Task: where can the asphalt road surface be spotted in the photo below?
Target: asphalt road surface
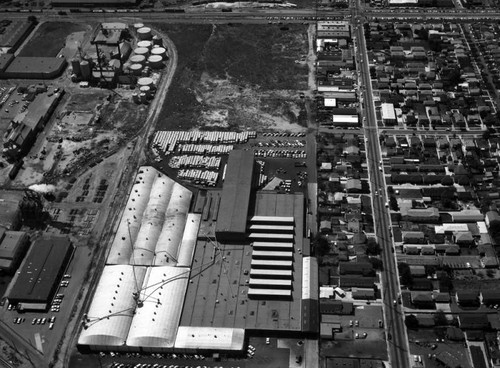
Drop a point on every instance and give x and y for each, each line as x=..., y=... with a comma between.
x=396, y=332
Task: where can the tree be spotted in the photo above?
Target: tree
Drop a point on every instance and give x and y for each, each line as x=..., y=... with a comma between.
x=405, y=274
x=32, y=19
x=411, y=322
x=321, y=245
x=372, y=247
x=447, y=180
x=440, y=318
x=377, y=263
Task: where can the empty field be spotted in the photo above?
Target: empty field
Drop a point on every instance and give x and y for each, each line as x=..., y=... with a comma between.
x=237, y=77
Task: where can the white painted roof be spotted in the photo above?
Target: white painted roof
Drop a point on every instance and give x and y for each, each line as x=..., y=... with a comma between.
x=155, y=323
x=186, y=250
x=167, y=248
x=212, y=338
x=152, y=221
x=310, y=278
x=111, y=311
x=121, y=248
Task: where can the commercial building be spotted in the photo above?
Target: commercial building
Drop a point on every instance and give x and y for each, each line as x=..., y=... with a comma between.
x=15, y=32
x=21, y=135
x=35, y=283
x=29, y=67
x=235, y=201
x=13, y=245
x=388, y=114
x=10, y=209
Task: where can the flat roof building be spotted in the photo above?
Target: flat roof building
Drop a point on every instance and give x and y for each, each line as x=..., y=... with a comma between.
x=388, y=113
x=13, y=245
x=235, y=201
x=37, y=280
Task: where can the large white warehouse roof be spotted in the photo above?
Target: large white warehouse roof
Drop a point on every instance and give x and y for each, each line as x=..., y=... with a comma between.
x=113, y=306
x=155, y=323
x=130, y=223
x=210, y=338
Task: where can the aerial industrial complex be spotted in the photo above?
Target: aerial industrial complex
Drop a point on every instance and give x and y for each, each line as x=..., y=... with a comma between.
x=224, y=187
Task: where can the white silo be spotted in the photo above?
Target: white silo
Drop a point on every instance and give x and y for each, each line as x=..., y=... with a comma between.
x=157, y=40
x=138, y=26
x=155, y=61
x=146, y=90
x=75, y=65
x=144, y=33
x=161, y=51
x=86, y=70
x=144, y=44
x=142, y=51
x=138, y=59
x=136, y=69
x=145, y=81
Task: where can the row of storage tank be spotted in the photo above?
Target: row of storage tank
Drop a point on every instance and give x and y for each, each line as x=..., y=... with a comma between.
x=148, y=52
x=146, y=90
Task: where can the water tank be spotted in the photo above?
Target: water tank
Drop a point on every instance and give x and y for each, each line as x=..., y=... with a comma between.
x=136, y=69
x=161, y=51
x=138, y=26
x=145, y=81
x=86, y=70
x=155, y=61
x=146, y=90
x=144, y=33
x=141, y=51
x=144, y=44
x=143, y=97
x=157, y=40
x=138, y=59
x=135, y=98
x=75, y=64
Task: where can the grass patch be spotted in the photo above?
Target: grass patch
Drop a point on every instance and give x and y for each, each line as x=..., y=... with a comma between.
x=49, y=39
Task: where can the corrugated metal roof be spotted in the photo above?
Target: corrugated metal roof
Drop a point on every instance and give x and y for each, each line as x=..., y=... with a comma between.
x=310, y=278
x=130, y=223
x=255, y=272
x=233, y=210
x=170, y=239
x=269, y=292
x=285, y=219
x=271, y=254
x=152, y=221
x=155, y=323
x=269, y=245
x=270, y=282
x=270, y=236
x=271, y=264
x=113, y=306
x=287, y=228
x=210, y=338
x=186, y=250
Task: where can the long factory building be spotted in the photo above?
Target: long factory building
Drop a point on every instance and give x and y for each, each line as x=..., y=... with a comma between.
x=167, y=288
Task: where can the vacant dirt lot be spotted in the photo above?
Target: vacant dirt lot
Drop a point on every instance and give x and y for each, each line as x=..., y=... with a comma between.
x=237, y=77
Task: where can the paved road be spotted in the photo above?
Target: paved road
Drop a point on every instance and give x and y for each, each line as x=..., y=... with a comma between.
x=396, y=333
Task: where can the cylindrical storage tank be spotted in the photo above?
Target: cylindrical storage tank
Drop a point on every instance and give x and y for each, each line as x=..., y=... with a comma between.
x=138, y=26
x=86, y=70
x=138, y=59
x=155, y=61
x=142, y=51
x=143, y=97
x=144, y=44
x=136, y=98
x=144, y=33
x=136, y=69
x=146, y=90
x=75, y=64
x=146, y=81
x=159, y=51
x=157, y=40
